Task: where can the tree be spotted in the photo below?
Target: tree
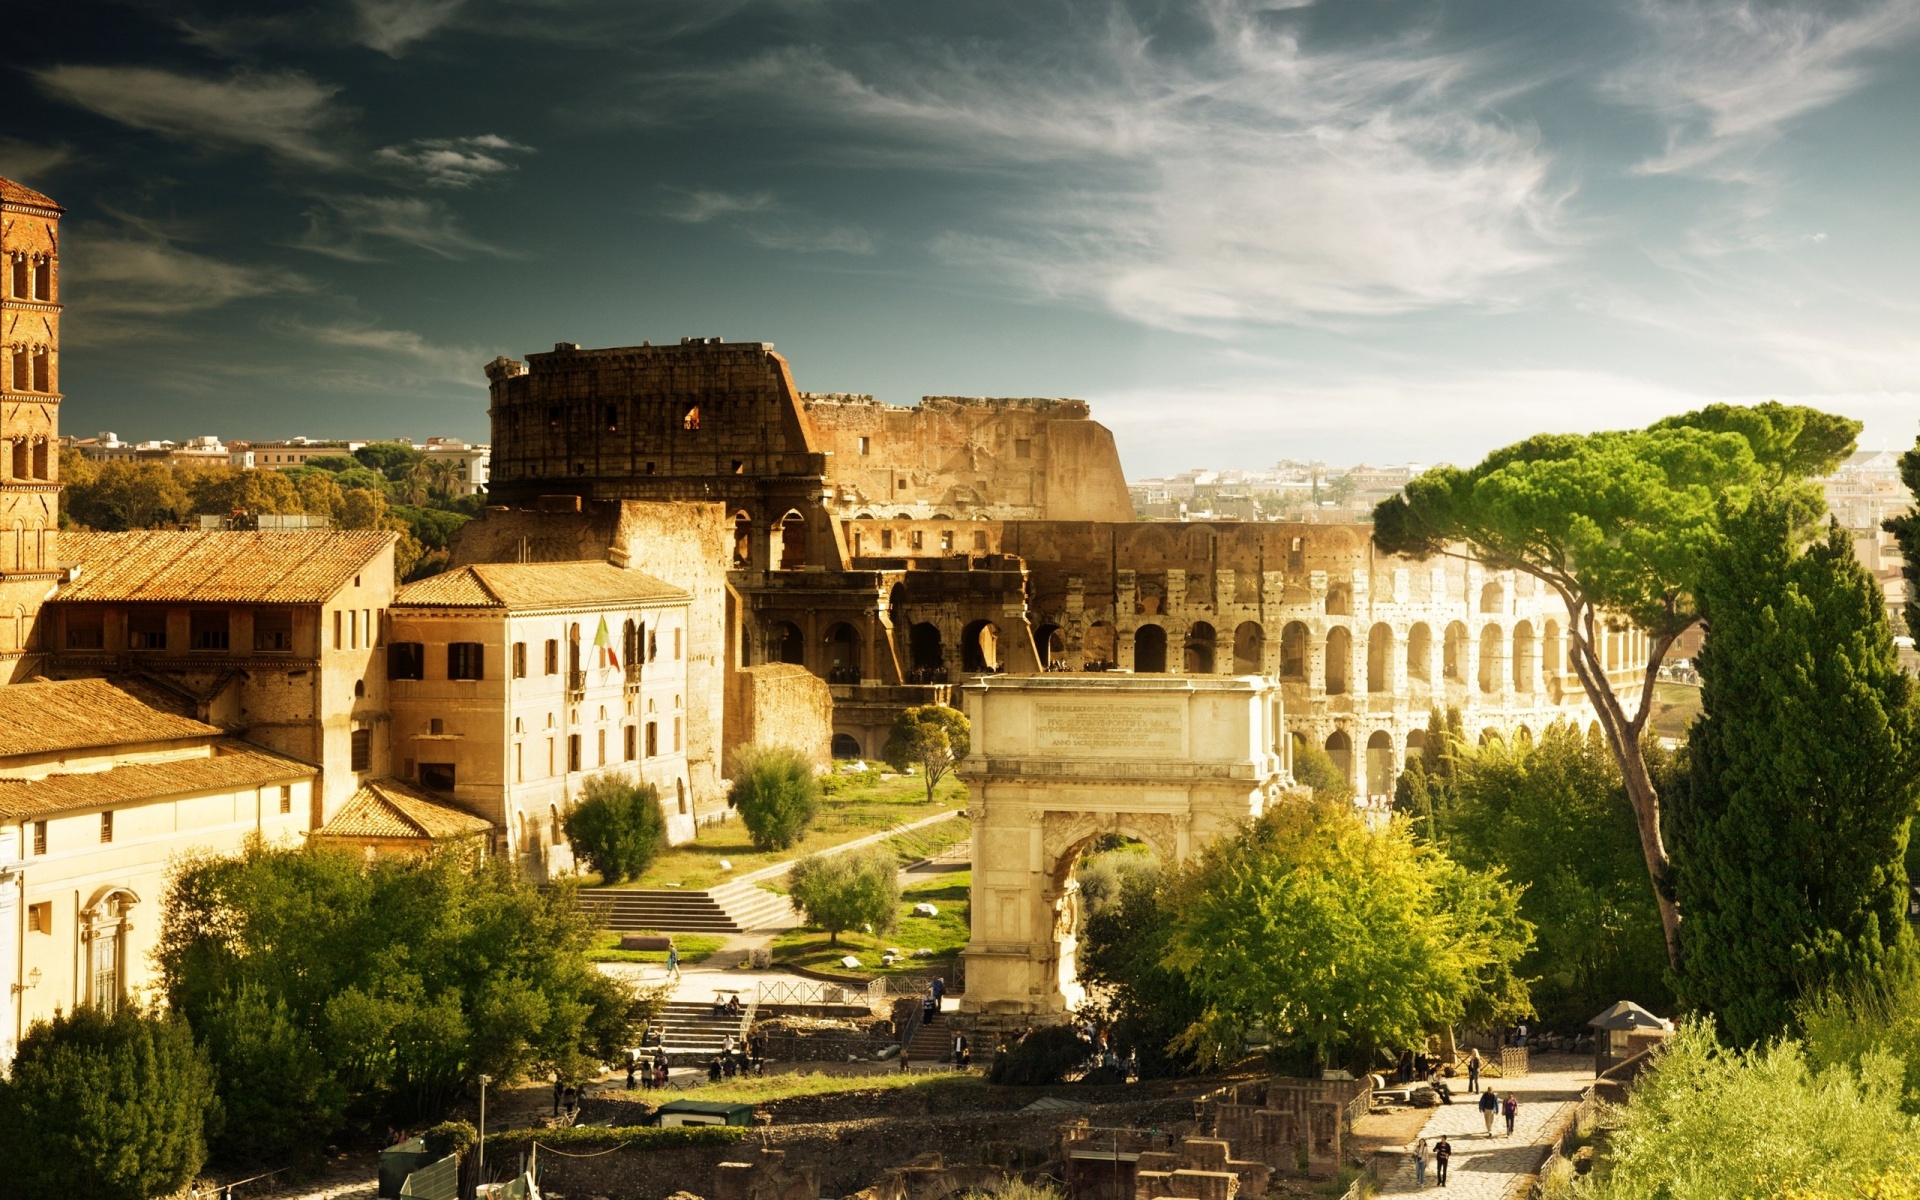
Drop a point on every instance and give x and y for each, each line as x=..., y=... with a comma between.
x=410, y=975
x=617, y=827
x=1791, y=829
x=1334, y=935
x=1553, y=816
x=776, y=793
x=1616, y=524
x=1905, y=529
x=392, y=459
x=274, y=1086
x=1121, y=952
x=1316, y=769
x=107, y=1106
x=335, y=463
x=118, y=496
x=838, y=892
x=931, y=737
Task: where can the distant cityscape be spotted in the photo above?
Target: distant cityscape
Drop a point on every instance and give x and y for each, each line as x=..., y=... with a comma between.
x=208, y=450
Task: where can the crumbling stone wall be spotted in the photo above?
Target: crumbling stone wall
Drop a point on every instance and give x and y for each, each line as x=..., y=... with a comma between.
x=779, y=704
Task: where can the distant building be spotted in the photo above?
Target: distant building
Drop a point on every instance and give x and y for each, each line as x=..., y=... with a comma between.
x=99, y=792
x=471, y=462
x=282, y=456
x=1864, y=492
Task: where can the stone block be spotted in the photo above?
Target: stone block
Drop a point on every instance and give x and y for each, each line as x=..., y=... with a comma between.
x=1204, y=1185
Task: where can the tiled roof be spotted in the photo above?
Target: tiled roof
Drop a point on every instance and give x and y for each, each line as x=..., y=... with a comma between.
x=388, y=808
x=292, y=566
x=79, y=714
x=19, y=193
x=234, y=765
x=535, y=585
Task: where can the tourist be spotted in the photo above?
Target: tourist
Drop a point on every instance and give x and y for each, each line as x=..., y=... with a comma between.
x=1420, y=1164
x=559, y=1094
x=1510, y=1109
x=632, y=1068
x=939, y=990
x=1442, y=1155
x=1473, y=1070
x=906, y=1057
x=1520, y=1035
x=1489, y=1108
x=660, y=1071
x=1441, y=1089
x=673, y=962
x=713, y=1069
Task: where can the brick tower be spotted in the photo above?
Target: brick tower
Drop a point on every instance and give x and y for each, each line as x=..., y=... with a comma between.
x=29, y=420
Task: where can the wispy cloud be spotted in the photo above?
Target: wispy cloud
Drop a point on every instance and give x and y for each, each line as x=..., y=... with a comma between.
x=454, y=162
x=764, y=220
x=1729, y=74
x=453, y=364
x=1246, y=179
x=354, y=228
x=31, y=162
x=285, y=112
x=134, y=283
x=390, y=26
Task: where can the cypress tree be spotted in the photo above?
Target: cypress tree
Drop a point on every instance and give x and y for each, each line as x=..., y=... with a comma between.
x=1791, y=828
x=1905, y=529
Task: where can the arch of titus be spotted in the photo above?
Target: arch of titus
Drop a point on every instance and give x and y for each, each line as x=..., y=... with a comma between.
x=1057, y=760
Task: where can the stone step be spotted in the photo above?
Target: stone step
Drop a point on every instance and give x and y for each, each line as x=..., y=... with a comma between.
x=932, y=1041
x=729, y=908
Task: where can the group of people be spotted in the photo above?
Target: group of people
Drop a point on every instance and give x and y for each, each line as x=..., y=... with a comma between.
x=1440, y=1153
x=739, y=1058
x=647, y=1069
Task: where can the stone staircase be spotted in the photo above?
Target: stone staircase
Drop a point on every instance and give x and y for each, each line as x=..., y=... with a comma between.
x=729, y=908
x=932, y=1041
x=693, y=1035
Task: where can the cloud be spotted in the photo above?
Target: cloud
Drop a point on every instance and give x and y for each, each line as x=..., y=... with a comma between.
x=454, y=162
x=352, y=227
x=128, y=284
x=1237, y=178
x=390, y=26
x=1728, y=74
x=456, y=364
x=284, y=112
x=763, y=220
x=29, y=162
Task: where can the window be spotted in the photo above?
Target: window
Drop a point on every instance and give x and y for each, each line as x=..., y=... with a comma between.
x=553, y=656
x=39, y=837
x=42, y=373
x=979, y=541
x=1023, y=447
x=691, y=421
x=353, y=629
x=919, y=539
x=573, y=752
x=519, y=762
x=286, y=798
x=886, y=539
x=338, y=624
x=40, y=917
x=208, y=629
x=436, y=726
x=676, y=643
x=602, y=736
x=106, y=827
x=436, y=777
x=866, y=445
x=273, y=630
x=43, y=280
x=653, y=738
x=147, y=629
x=553, y=417
x=406, y=660
x=20, y=276
x=946, y=540
x=676, y=735
x=653, y=645
x=613, y=419
x=899, y=485
x=362, y=744
x=519, y=660
x=86, y=629
x=466, y=660
x=633, y=742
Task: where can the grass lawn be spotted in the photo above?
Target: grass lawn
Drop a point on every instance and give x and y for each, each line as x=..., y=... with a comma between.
x=946, y=935
x=694, y=947
x=855, y=808
x=812, y=1083
x=1675, y=705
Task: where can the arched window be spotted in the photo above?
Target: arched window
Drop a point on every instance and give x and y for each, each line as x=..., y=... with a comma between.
x=1453, y=654
x=742, y=540
x=1380, y=658
x=1380, y=763
x=1098, y=650
x=690, y=420
x=1052, y=645
x=1523, y=658
x=791, y=534
x=1339, y=659
x=1249, y=649
x=980, y=648
x=1199, y=656
x=843, y=653
x=845, y=745
x=1340, y=750
x=1420, y=653
x=1149, y=650
x=1293, y=651
x=787, y=644
x=928, y=655
x=1340, y=600
x=1493, y=598
x=1490, y=672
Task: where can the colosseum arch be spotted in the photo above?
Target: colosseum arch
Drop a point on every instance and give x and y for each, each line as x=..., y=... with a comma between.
x=1149, y=650
x=1340, y=749
x=1453, y=653
x=1379, y=763
x=1339, y=659
x=1420, y=652
x=1249, y=649
x=980, y=648
x=1523, y=658
x=1198, y=659
x=1490, y=643
x=1293, y=650
x=1493, y=597
x=1380, y=658
x=785, y=644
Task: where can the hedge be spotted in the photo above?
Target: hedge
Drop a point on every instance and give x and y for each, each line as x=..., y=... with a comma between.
x=631, y=1137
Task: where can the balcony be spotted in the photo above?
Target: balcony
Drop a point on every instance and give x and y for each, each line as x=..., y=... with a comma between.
x=632, y=682
x=576, y=684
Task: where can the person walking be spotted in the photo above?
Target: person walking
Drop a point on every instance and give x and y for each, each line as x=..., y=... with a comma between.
x=1489, y=1108
x=1473, y=1070
x=906, y=1060
x=1510, y=1109
x=673, y=962
x=1420, y=1164
x=1442, y=1155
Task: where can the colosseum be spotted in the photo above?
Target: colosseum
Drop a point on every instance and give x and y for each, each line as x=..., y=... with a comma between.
x=894, y=552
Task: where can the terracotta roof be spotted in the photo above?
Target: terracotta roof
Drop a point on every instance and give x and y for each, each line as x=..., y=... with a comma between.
x=233, y=766
x=388, y=808
x=19, y=193
x=535, y=585
x=79, y=714
x=292, y=566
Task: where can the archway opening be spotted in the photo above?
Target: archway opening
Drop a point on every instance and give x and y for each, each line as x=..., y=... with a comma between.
x=742, y=540
x=929, y=657
x=791, y=536
x=1293, y=650
x=1097, y=649
x=786, y=643
x=1339, y=657
x=1052, y=645
x=1199, y=656
x=1453, y=654
x=1420, y=653
x=1379, y=763
x=1249, y=649
x=1380, y=658
x=1493, y=598
x=1340, y=750
x=1340, y=600
x=845, y=745
x=1149, y=650
x=1490, y=659
x=843, y=653
x=1092, y=879
x=1523, y=658
x=980, y=648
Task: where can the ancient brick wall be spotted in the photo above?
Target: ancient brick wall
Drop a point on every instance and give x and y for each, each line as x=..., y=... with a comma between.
x=779, y=704
x=29, y=421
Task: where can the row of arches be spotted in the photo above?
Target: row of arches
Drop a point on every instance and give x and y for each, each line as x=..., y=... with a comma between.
x=1379, y=761
x=1503, y=658
x=841, y=660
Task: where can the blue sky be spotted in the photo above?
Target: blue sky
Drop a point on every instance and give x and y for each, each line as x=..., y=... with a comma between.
x=1368, y=229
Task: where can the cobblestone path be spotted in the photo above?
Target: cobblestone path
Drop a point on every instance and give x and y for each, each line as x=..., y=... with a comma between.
x=1497, y=1168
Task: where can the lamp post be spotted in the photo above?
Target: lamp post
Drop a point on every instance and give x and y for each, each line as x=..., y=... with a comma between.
x=480, y=1168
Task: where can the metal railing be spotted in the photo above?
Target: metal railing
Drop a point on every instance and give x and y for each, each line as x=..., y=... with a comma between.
x=815, y=991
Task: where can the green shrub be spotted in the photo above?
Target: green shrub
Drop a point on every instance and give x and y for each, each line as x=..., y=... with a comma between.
x=776, y=792
x=1042, y=1057
x=106, y=1107
x=1316, y=768
x=617, y=827
x=844, y=891
x=281, y=1102
x=450, y=1137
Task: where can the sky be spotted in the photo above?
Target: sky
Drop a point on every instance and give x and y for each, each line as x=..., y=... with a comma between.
x=1352, y=230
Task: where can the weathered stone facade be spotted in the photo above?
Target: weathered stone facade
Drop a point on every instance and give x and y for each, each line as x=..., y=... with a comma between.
x=29, y=420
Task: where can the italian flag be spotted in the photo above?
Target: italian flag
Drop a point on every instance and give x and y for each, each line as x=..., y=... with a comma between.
x=604, y=639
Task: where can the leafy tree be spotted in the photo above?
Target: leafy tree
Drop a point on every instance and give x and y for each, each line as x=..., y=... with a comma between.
x=363, y=508
x=1316, y=769
x=392, y=459
x=1616, y=524
x=273, y=1083
x=410, y=975
x=1336, y=935
x=334, y=463
x=1121, y=952
x=1850, y=1023
x=219, y=491
x=362, y=477
x=1552, y=815
x=777, y=794
x=107, y=1106
x=118, y=496
x=617, y=827
x=1791, y=831
x=1425, y=787
x=433, y=526
x=932, y=737
x=838, y=892
x=1905, y=529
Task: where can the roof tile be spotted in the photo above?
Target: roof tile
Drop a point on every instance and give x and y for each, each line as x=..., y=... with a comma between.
x=234, y=765
x=218, y=567
x=79, y=714
x=536, y=585
x=389, y=808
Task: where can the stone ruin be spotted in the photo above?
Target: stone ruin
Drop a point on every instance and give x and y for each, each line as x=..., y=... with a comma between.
x=1291, y=1125
x=1201, y=1169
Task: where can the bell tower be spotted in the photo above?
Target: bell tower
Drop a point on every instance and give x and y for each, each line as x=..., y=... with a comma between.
x=29, y=421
